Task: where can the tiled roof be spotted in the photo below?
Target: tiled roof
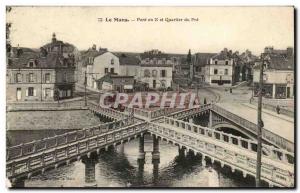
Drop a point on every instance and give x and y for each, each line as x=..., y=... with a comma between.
x=52, y=60
x=90, y=53
x=279, y=62
x=22, y=60
x=202, y=59
x=128, y=60
x=222, y=56
x=151, y=56
x=66, y=46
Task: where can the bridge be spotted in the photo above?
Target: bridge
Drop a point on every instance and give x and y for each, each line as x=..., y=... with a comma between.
x=26, y=160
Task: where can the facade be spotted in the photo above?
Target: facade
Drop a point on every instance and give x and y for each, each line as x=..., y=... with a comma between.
x=98, y=63
x=200, y=60
x=46, y=75
x=116, y=82
x=129, y=65
x=278, y=74
x=220, y=70
x=157, y=76
x=156, y=70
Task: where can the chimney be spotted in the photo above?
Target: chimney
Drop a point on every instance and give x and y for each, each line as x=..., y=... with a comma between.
x=289, y=52
x=43, y=52
x=53, y=38
x=19, y=51
x=94, y=47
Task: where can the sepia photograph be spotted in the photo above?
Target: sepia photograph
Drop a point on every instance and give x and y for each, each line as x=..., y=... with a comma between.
x=150, y=97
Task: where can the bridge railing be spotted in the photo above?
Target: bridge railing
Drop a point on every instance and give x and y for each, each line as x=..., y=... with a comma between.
x=55, y=141
x=189, y=112
x=250, y=145
x=86, y=142
x=234, y=151
x=107, y=111
x=137, y=111
x=266, y=134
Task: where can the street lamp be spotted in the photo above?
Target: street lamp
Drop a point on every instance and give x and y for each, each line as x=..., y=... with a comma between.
x=260, y=124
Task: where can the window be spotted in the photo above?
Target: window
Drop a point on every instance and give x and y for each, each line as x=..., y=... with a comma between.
x=105, y=70
x=30, y=91
x=112, y=70
x=112, y=61
x=146, y=73
x=226, y=71
x=91, y=60
x=30, y=77
x=47, y=78
x=31, y=64
x=216, y=62
x=65, y=77
x=154, y=73
x=19, y=77
x=226, y=62
x=215, y=71
x=47, y=92
x=163, y=73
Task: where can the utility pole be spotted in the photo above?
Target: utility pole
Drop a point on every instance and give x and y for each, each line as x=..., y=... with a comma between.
x=85, y=82
x=259, y=125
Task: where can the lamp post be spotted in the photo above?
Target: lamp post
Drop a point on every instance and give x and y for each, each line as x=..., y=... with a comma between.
x=259, y=126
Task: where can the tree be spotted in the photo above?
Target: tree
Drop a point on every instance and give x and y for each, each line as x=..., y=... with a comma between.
x=8, y=26
x=189, y=57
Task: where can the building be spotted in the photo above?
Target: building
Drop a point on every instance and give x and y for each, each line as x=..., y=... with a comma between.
x=278, y=74
x=97, y=63
x=45, y=75
x=200, y=61
x=129, y=65
x=156, y=70
x=220, y=70
x=116, y=82
x=245, y=71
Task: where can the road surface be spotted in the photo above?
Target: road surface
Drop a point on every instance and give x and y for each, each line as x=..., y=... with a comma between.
x=281, y=125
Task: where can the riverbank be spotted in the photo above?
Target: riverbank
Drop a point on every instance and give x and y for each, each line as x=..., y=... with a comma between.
x=50, y=120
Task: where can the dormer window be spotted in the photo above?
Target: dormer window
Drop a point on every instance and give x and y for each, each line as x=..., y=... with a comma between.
x=216, y=62
x=91, y=60
x=112, y=61
x=31, y=64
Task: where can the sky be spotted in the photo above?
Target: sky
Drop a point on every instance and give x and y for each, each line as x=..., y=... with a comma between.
x=213, y=28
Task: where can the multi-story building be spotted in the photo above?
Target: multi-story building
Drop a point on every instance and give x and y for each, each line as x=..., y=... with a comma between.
x=97, y=63
x=44, y=75
x=278, y=75
x=156, y=69
x=200, y=60
x=129, y=65
x=220, y=70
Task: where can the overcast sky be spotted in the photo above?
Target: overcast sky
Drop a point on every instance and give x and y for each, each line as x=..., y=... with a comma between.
x=237, y=28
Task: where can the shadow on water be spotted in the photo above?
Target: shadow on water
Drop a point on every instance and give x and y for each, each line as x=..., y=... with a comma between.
x=116, y=165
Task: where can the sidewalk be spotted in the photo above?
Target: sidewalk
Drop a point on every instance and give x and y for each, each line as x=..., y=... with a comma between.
x=270, y=112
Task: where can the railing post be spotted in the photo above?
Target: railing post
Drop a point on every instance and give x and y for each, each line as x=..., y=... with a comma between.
x=239, y=141
x=21, y=150
x=249, y=145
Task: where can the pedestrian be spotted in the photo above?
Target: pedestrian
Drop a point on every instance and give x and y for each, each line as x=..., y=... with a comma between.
x=278, y=109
